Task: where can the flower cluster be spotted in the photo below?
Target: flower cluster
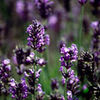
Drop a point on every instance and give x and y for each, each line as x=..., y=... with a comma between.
x=19, y=91
x=44, y=7
x=23, y=57
x=68, y=56
x=5, y=69
x=87, y=69
x=55, y=95
x=32, y=77
x=54, y=84
x=40, y=93
x=86, y=66
x=5, y=74
x=37, y=38
x=72, y=84
x=96, y=41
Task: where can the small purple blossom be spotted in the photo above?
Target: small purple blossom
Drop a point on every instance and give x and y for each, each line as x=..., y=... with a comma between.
x=40, y=93
x=41, y=62
x=32, y=77
x=69, y=95
x=54, y=84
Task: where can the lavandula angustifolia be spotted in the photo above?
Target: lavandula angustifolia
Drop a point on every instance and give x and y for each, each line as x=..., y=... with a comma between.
x=55, y=95
x=86, y=66
x=33, y=78
x=5, y=69
x=96, y=41
x=40, y=93
x=37, y=38
x=22, y=58
x=87, y=71
x=69, y=55
x=19, y=91
x=45, y=7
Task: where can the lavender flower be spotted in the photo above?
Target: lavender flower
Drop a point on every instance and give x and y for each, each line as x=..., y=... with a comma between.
x=22, y=58
x=69, y=95
x=41, y=62
x=54, y=84
x=37, y=38
x=82, y=2
x=68, y=56
x=55, y=95
x=19, y=91
x=44, y=7
x=86, y=66
x=40, y=93
x=96, y=41
x=5, y=69
x=32, y=78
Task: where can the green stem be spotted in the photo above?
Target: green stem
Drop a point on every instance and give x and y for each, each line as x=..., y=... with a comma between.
x=32, y=97
x=65, y=91
x=46, y=69
x=80, y=28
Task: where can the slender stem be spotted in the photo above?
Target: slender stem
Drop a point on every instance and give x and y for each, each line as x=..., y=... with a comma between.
x=5, y=98
x=32, y=97
x=65, y=91
x=46, y=67
x=80, y=29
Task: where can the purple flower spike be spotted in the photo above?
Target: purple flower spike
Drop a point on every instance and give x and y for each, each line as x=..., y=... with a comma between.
x=37, y=38
x=5, y=69
x=54, y=84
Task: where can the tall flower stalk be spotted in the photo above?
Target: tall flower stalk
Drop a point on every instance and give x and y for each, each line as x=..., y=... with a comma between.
x=37, y=40
x=69, y=79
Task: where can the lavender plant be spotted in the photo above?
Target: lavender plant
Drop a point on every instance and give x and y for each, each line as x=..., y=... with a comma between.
x=79, y=68
x=5, y=69
x=69, y=79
